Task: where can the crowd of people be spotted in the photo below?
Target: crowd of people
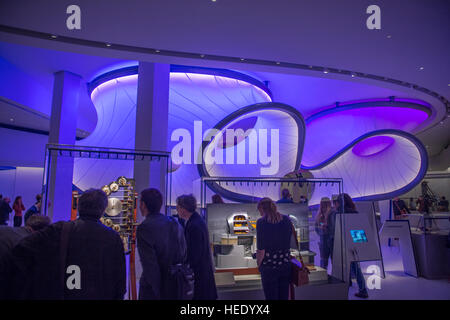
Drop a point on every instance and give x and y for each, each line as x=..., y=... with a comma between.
x=40, y=260
x=18, y=208
x=45, y=261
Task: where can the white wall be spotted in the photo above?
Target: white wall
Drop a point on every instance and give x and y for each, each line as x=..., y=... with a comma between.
x=20, y=148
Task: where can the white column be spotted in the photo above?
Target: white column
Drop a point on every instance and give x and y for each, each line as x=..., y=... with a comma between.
x=152, y=114
x=63, y=126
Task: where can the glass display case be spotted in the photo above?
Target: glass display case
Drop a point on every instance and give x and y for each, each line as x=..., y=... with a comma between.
x=233, y=237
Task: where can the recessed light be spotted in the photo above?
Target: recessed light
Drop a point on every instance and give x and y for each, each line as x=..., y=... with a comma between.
x=325, y=71
x=54, y=36
x=202, y=56
x=277, y=63
x=421, y=68
x=242, y=59
x=388, y=36
x=12, y=120
x=157, y=51
x=108, y=45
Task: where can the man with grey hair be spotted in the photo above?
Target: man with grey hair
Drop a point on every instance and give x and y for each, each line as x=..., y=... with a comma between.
x=198, y=248
x=81, y=259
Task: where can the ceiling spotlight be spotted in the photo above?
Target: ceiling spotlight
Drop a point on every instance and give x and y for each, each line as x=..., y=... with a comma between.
x=54, y=36
x=202, y=56
x=108, y=45
x=242, y=59
x=353, y=74
x=388, y=36
x=325, y=71
x=12, y=120
x=421, y=68
x=157, y=51
x=277, y=62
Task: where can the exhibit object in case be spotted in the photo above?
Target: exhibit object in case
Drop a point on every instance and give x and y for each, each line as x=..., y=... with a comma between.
x=121, y=216
x=233, y=234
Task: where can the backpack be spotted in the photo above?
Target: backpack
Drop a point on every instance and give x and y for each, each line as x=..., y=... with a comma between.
x=180, y=275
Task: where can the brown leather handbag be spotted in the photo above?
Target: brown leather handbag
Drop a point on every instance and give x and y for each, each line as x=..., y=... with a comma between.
x=299, y=275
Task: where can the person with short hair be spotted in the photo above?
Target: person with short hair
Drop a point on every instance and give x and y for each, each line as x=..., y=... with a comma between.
x=273, y=239
x=10, y=236
x=161, y=244
x=34, y=209
x=285, y=197
x=198, y=248
x=94, y=255
x=355, y=269
x=5, y=210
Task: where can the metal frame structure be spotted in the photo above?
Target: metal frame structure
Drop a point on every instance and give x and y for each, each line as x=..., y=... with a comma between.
x=101, y=153
x=273, y=180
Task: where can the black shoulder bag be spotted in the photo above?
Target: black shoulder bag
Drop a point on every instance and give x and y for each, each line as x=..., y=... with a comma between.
x=180, y=274
x=65, y=233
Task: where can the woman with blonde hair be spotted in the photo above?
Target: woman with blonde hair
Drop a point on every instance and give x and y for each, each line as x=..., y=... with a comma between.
x=324, y=230
x=273, y=237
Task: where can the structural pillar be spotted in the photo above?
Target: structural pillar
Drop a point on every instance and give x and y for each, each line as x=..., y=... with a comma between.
x=63, y=127
x=152, y=114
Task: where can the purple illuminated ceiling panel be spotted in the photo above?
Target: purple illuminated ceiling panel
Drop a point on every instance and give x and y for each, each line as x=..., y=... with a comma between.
x=328, y=132
x=391, y=166
x=373, y=145
x=283, y=128
x=193, y=96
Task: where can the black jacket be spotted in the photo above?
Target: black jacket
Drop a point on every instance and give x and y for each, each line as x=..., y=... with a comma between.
x=5, y=210
x=160, y=243
x=199, y=258
x=97, y=251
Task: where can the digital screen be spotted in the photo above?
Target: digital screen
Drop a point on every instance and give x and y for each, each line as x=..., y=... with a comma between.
x=358, y=236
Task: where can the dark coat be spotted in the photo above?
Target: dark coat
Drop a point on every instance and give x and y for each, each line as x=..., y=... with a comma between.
x=5, y=210
x=97, y=250
x=158, y=249
x=9, y=237
x=199, y=258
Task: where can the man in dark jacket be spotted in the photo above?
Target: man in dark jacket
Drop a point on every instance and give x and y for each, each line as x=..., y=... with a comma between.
x=94, y=267
x=5, y=210
x=198, y=249
x=11, y=236
x=161, y=243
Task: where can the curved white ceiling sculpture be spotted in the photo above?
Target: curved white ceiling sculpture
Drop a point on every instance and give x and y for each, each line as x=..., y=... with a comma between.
x=372, y=172
x=354, y=141
x=193, y=96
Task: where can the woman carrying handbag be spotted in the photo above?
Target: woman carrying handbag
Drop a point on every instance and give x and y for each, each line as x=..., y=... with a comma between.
x=274, y=232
